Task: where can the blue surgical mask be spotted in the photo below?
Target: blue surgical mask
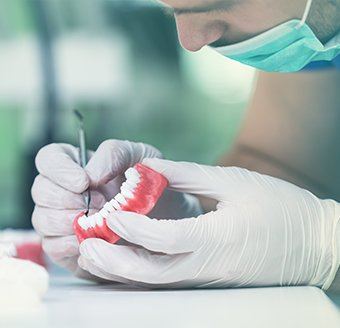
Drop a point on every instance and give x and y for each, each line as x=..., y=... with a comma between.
x=285, y=48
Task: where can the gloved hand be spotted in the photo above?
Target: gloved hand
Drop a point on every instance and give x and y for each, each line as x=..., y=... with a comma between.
x=265, y=232
x=57, y=192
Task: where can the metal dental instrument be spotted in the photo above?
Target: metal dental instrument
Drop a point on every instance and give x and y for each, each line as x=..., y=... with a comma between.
x=83, y=154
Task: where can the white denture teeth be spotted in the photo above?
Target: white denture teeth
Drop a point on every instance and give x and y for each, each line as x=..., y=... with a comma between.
x=115, y=204
x=131, y=185
x=92, y=221
x=99, y=219
x=132, y=175
x=82, y=221
x=120, y=199
x=126, y=192
x=104, y=213
x=108, y=207
x=88, y=223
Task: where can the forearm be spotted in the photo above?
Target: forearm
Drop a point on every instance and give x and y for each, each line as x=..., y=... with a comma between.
x=335, y=285
x=291, y=131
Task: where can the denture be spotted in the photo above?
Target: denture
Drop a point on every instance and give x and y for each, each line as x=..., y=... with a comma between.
x=139, y=193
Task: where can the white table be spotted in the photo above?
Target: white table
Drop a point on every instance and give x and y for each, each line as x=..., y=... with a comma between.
x=75, y=303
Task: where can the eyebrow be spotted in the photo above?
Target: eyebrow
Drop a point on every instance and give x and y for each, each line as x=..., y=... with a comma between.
x=221, y=5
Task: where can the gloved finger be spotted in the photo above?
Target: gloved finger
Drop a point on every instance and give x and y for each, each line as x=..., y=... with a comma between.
x=166, y=236
x=71, y=264
x=96, y=272
x=68, y=263
x=48, y=194
x=87, y=266
x=204, y=180
x=82, y=274
x=50, y=222
x=137, y=264
x=59, y=163
x=59, y=248
x=86, y=275
x=113, y=157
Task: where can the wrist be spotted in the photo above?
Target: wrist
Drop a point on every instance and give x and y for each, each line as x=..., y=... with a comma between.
x=333, y=279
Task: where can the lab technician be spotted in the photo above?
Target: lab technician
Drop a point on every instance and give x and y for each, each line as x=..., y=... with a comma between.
x=264, y=230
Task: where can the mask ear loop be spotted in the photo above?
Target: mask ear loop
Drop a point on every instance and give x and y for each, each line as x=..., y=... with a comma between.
x=305, y=14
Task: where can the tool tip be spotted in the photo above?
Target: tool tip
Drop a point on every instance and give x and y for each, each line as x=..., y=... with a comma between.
x=79, y=116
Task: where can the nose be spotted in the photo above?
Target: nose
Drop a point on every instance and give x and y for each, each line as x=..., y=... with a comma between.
x=195, y=33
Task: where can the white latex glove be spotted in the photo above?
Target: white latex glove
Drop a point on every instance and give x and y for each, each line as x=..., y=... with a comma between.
x=57, y=192
x=265, y=232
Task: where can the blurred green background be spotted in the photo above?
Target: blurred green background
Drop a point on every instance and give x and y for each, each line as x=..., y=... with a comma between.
x=120, y=64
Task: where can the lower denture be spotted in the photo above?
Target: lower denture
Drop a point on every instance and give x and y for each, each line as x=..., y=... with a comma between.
x=146, y=193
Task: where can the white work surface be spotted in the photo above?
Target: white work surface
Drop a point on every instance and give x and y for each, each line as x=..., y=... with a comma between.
x=75, y=303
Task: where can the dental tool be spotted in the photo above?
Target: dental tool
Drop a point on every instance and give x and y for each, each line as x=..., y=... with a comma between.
x=83, y=155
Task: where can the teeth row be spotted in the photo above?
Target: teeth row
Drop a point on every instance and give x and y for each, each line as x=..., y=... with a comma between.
x=126, y=192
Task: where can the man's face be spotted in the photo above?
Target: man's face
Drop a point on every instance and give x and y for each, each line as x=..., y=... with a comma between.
x=223, y=22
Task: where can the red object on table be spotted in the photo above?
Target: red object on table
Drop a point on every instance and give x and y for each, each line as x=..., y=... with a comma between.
x=31, y=251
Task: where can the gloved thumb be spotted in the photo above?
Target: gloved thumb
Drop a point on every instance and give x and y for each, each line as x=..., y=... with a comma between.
x=114, y=157
x=165, y=236
x=193, y=178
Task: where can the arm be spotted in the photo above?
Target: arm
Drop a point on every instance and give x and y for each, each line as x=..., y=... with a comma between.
x=291, y=130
